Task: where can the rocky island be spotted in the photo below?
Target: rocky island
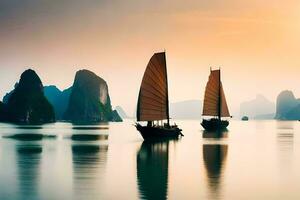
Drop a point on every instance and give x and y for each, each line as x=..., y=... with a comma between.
x=2, y=112
x=27, y=103
x=58, y=99
x=287, y=107
x=89, y=100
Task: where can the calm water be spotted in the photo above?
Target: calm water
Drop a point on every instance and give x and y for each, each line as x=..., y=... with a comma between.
x=254, y=160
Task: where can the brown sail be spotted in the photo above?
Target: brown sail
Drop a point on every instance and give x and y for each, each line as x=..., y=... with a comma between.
x=214, y=99
x=153, y=97
x=224, y=107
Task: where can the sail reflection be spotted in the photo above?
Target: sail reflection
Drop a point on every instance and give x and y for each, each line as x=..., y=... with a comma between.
x=152, y=170
x=28, y=162
x=214, y=156
x=88, y=163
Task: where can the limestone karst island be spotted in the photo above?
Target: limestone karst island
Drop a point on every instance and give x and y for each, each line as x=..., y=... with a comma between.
x=87, y=101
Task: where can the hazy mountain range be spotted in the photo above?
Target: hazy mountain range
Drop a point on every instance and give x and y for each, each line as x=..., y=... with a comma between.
x=258, y=108
x=122, y=113
x=189, y=109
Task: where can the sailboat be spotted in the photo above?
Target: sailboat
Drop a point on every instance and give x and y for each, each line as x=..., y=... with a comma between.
x=215, y=104
x=153, y=102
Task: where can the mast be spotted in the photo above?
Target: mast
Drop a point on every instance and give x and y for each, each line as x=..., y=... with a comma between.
x=219, y=101
x=167, y=92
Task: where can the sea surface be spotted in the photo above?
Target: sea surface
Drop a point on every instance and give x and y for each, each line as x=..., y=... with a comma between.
x=253, y=160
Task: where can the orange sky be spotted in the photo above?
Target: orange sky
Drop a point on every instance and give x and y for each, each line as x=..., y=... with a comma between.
x=255, y=43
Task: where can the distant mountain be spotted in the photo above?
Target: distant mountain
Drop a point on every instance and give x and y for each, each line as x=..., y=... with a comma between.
x=27, y=103
x=190, y=109
x=264, y=116
x=58, y=99
x=121, y=112
x=257, y=108
x=89, y=100
x=287, y=106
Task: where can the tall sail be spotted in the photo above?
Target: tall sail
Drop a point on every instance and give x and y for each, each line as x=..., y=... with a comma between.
x=153, y=97
x=224, y=107
x=214, y=99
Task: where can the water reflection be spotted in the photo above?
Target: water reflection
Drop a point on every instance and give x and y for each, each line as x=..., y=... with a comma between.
x=89, y=124
x=28, y=162
x=285, y=125
x=152, y=170
x=88, y=163
x=285, y=136
x=215, y=134
x=90, y=132
x=67, y=169
x=26, y=136
x=214, y=156
x=285, y=142
x=29, y=127
x=285, y=139
x=89, y=128
x=89, y=137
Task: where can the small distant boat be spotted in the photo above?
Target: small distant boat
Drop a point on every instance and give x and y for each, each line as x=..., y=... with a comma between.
x=215, y=104
x=153, y=102
x=245, y=118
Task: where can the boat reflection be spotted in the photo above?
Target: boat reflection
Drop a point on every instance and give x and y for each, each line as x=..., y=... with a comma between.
x=28, y=162
x=214, y=156
x=215, y=134
x=152, y=170
x=88, y=163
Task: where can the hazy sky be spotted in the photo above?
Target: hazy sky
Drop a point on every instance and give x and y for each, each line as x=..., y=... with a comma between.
x=256, y=43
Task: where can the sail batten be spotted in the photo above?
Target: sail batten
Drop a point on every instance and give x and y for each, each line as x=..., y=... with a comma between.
x=153, y=96
x=157, y=71
x=214, y=98
x=151, y=100
x=153, y=77
x=151, y=106
x=153, y=90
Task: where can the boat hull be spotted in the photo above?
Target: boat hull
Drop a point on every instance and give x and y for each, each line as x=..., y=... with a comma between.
x=154, y=133
x=214, y=124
